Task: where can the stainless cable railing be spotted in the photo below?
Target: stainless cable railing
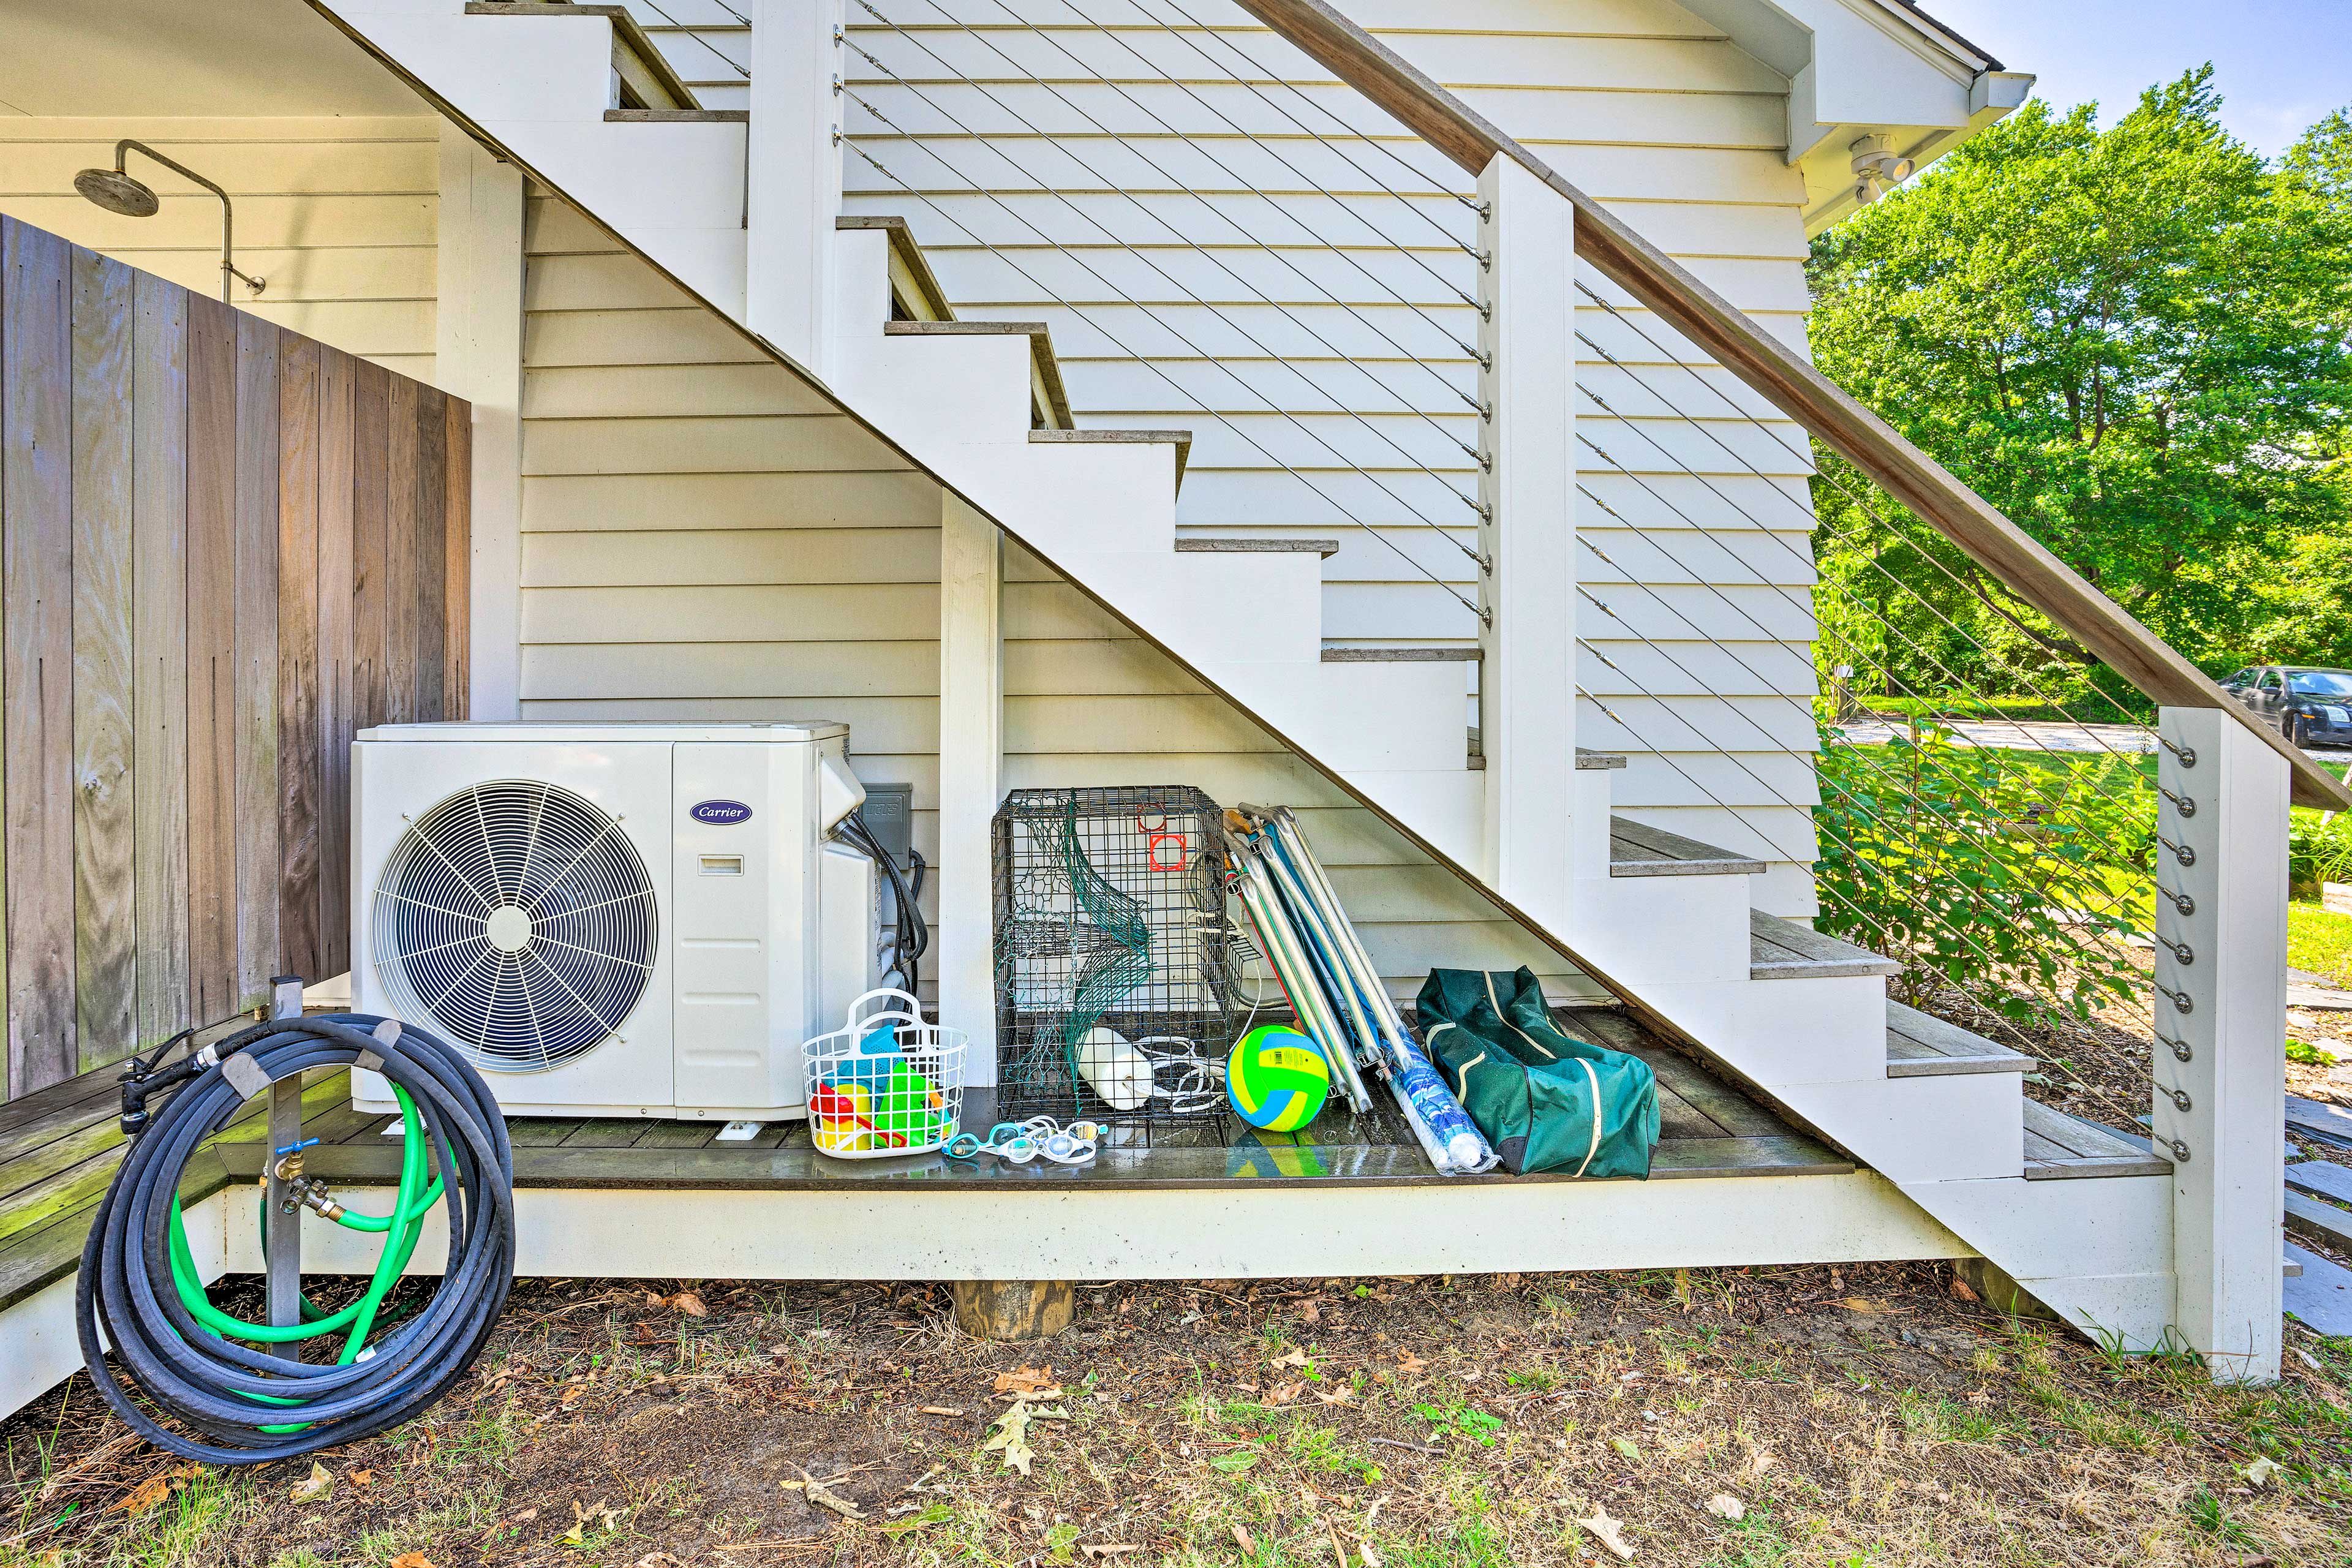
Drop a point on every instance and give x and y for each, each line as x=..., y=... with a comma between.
x=1309, y=347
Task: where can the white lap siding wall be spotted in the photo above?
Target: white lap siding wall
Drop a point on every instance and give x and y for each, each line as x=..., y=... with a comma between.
x=339, y=215
x=705, y=538
x=1704, y=570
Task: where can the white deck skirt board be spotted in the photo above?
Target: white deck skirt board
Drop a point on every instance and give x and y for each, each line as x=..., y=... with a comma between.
x=1203, y=1233
x=1044, y=191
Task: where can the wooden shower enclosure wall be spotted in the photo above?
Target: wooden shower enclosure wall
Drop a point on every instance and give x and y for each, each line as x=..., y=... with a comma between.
x=224, y=549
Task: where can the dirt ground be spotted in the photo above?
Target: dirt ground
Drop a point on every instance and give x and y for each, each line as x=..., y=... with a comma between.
x=1741, y=1418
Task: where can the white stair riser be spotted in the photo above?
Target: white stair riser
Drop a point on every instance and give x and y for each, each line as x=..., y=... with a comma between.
x=1589, y=796
x=1379, y=716
x=1782, y=1032
x=2054, y=1230
x=1955, y=1128
x=1678, y=929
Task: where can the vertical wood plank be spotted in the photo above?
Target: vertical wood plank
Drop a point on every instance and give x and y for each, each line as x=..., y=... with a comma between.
x=336, y=387
x=106, y=974
x=301, y=749
x=372, y=450
x=457, y=535
x=159, y=544
x=212, y=660
x=428, y=589
x=400, y=627
x=259, y=344
x=10, y=1084
x=36, y=588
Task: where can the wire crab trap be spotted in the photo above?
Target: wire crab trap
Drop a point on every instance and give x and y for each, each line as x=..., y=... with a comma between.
x=1115, y=974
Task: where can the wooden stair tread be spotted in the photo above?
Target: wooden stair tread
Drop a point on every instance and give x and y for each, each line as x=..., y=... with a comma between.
x=679, y=116
x=2060, y=1147
x=1921, y=1046
x=1326, y=548
x=2319, y=1221
x=1783, y=950
x=1336, y=655
x=1638, y=849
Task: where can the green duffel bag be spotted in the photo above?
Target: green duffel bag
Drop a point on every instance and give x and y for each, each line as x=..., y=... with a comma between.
x=1545, y=1100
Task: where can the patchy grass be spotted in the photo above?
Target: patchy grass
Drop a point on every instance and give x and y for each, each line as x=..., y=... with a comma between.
x=1867, y=1415
x=2320, y=941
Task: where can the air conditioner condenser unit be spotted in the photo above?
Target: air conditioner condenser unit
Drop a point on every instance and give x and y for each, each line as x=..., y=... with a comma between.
x=613, y=920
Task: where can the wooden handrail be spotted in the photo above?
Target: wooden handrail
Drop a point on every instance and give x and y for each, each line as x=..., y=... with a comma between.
x=1774, y=369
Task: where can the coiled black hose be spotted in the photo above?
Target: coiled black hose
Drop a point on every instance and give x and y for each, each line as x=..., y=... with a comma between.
x=246, y=1405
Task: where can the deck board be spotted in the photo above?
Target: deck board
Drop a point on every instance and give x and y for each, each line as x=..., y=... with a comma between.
x=58, y=1150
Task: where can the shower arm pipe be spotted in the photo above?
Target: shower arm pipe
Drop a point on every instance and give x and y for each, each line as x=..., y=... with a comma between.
x=229, y=267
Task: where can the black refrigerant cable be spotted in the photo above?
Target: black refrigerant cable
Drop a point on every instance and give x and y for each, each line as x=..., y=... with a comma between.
x=914, y=933
x=138, y=1287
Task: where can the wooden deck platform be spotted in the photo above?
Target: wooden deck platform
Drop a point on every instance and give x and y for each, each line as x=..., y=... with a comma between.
x=58, y=1150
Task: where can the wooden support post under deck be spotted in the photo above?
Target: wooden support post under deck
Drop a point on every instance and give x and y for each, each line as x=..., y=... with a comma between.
x=2221, y=1012
x=1013, y=1309
x=971, y=763
x=1526, y=434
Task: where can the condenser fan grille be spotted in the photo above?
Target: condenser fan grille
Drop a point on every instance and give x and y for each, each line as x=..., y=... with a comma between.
x=519, y=918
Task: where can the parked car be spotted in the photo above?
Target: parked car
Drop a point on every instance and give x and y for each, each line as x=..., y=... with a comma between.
x=2310, y=706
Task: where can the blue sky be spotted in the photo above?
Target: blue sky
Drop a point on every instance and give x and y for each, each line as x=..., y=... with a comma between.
x=2281, y=64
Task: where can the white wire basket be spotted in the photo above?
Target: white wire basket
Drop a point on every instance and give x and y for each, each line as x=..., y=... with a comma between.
x=886, y=1084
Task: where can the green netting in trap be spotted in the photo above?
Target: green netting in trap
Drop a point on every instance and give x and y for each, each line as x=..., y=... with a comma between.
x=1109, y=916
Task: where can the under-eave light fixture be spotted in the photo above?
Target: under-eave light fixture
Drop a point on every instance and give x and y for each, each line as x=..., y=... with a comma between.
x=118, y=193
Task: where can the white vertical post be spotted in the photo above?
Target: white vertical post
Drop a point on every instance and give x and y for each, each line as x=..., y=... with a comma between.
x=1527, y=677
x=971, y=767
x=2220, y=1011
x=478, y=356
x=794, y=168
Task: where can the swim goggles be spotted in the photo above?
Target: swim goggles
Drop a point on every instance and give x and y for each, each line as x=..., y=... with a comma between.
x=1039, y=1138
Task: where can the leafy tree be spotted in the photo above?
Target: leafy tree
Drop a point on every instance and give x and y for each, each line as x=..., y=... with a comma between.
x=2135, y=343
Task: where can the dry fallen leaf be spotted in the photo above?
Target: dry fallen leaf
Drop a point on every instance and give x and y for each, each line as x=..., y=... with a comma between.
x=1858, y=1304
x=2258, y=1473
x=1723, y=1505
x=1295, y=1358
x=148, y=1493
x=1410, y=1362
x=1245, y=1541
x=657, y=1560
x=313, y=1485
x=1027, y=1380
x=1285, y=1392
x=1312, y=1313
x=687, y=1302
x=1366, y=1555
x=1009, y=1433
x=360, y=1477
x=1607, y=1531
x=412, y=1560
x=1960, y=1288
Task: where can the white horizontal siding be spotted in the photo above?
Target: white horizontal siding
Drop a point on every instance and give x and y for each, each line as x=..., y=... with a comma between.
x=340, y=217
x=703, y=538
x=1177, y=228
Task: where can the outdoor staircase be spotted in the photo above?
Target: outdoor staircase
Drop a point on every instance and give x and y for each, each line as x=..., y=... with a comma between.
x=1803, y=1017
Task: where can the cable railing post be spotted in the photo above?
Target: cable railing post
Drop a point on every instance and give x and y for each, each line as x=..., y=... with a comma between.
x=1527, y=537
x=794, y=173
x=2221, y=1012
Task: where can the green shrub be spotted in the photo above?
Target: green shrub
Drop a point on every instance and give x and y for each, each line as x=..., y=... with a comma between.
x=2006, y=874
x=2318, y=850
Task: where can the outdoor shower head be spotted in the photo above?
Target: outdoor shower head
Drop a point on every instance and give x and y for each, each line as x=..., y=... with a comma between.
x=117, y=191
